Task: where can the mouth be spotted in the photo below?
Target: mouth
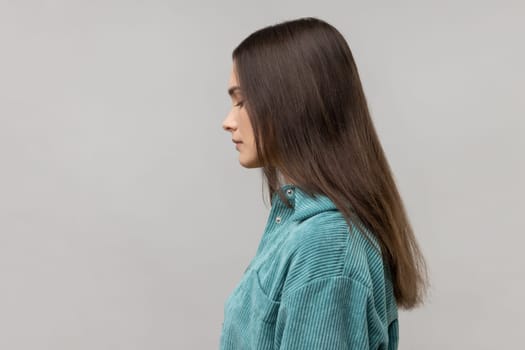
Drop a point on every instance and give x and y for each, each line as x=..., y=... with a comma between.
x=237, y=142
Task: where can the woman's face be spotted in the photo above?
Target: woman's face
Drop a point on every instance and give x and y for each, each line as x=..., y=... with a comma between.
x=238, y=123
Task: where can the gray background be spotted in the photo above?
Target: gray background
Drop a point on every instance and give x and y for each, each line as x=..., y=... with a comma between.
x=126, y=219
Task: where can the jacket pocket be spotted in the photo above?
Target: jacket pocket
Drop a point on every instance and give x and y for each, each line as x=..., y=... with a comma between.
x=264, y=308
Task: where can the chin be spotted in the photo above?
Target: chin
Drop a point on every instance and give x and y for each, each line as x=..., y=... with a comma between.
x=249, y=164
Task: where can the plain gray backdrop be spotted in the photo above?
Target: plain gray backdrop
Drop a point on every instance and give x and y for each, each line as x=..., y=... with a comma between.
x=126, y=219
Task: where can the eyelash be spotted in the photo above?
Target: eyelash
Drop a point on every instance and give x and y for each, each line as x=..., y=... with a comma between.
x=240, y=104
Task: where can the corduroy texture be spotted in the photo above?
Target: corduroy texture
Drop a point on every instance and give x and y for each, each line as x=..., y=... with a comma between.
x=314, y=283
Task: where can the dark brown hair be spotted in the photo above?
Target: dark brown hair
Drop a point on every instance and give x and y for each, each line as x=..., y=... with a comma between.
x=311, y=123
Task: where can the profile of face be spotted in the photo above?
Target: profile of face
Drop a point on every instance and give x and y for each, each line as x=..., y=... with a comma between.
x=238, y=123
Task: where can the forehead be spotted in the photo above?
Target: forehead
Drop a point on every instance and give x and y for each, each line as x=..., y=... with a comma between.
x=234, y=89
x=233, y=78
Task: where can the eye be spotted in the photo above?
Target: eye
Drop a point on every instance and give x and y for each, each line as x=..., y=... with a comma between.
x=240, y=104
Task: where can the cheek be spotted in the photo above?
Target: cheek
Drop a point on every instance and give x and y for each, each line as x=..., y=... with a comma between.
x=245, y=127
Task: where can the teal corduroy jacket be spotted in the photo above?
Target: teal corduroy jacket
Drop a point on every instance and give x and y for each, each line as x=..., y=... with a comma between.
x=314, y=283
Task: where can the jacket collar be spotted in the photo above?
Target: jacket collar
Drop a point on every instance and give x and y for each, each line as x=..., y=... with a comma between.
x=302, y=204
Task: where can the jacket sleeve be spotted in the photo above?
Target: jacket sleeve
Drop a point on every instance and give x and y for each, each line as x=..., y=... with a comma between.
x=329, y=313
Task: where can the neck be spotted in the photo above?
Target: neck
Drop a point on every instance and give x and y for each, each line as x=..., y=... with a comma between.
x=284, y=180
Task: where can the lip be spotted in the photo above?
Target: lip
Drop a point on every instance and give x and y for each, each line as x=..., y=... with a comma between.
x=237, y=142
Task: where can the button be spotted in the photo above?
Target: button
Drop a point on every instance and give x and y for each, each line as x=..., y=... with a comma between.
x=278, y=219
x=289, y=191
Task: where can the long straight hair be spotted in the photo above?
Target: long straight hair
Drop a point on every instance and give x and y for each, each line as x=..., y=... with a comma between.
x=312, y=124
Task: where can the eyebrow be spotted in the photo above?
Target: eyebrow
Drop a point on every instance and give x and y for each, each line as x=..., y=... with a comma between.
x=233, y=89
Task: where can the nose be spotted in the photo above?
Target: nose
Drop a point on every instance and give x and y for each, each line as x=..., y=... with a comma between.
x=229, y=123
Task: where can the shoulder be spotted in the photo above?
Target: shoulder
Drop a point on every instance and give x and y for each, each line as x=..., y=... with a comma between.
x=319, y=233
x=325, y=246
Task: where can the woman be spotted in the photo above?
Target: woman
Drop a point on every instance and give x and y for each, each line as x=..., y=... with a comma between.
x=338, y=254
